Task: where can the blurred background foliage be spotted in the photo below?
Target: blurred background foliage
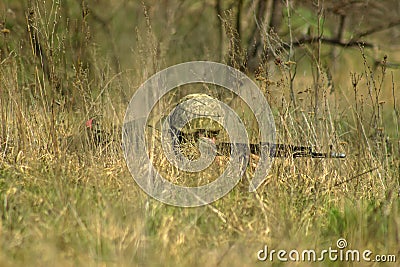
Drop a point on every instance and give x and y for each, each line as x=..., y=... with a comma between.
x=126, y=33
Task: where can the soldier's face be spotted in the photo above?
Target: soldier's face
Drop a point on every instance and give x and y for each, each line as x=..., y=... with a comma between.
x=210, y=135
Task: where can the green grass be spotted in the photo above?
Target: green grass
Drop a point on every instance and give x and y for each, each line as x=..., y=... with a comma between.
x=66, y=202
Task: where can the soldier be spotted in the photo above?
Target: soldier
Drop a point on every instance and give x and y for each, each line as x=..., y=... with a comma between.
x=205, y=127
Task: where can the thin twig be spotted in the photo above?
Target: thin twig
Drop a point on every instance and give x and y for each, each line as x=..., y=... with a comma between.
x=356, y=176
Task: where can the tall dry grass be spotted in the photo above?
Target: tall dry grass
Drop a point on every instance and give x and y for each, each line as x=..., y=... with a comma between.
x=66, y=200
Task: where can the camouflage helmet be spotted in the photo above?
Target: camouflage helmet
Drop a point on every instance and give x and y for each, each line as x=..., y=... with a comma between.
x=197, y=105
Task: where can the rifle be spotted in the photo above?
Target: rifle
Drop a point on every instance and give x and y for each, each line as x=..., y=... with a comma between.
x=276, y=150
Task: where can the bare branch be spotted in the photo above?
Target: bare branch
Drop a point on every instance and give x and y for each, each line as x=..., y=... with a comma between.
x=332, y=41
